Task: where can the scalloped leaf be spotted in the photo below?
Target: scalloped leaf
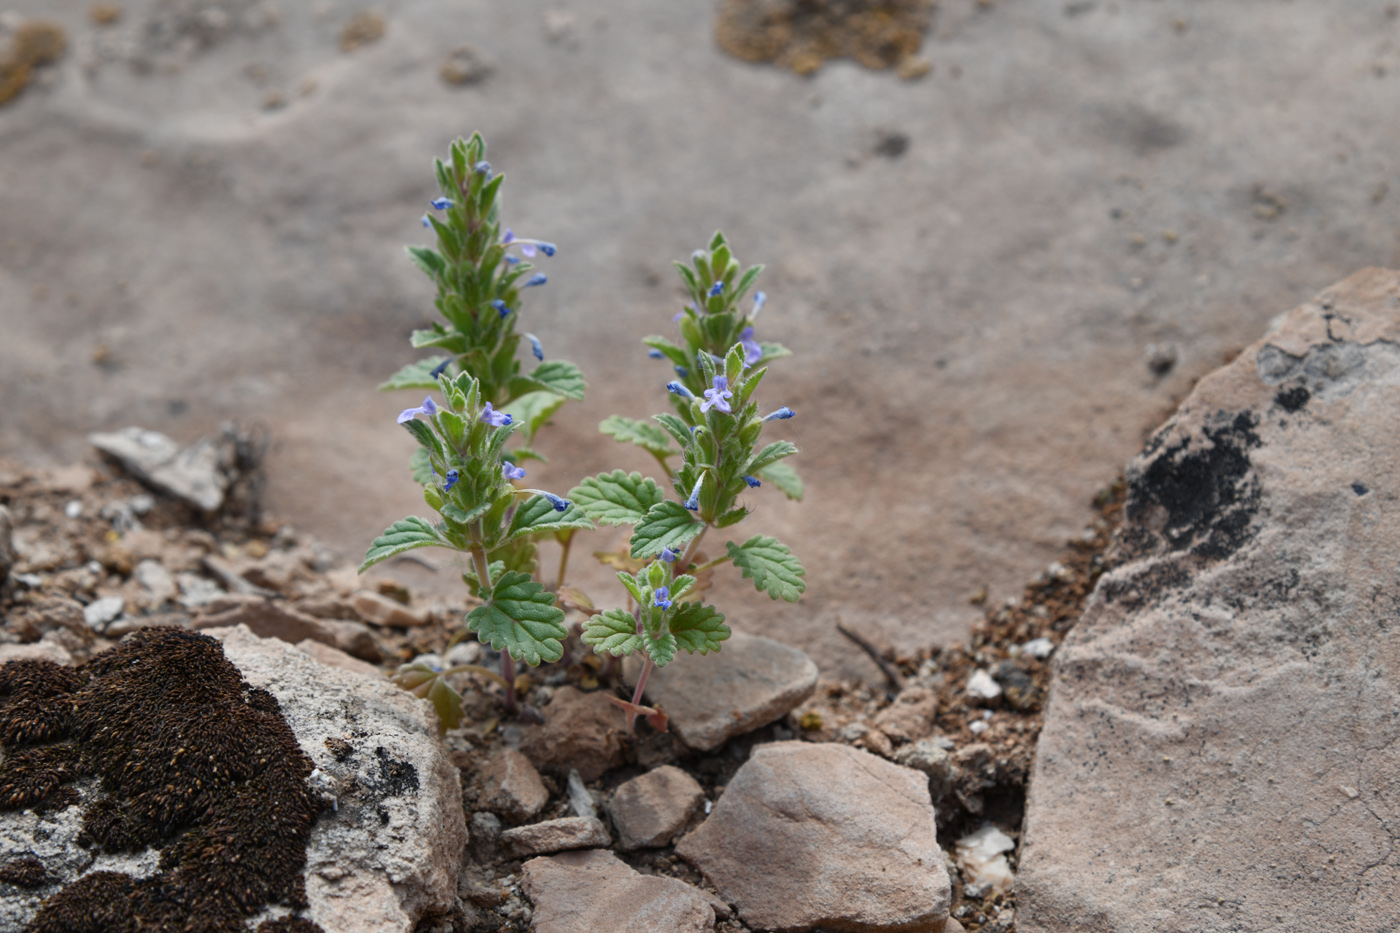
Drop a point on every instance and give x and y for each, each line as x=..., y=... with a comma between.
x=631, y=431
x=416, y=375
x=770, y=565
x=698, y=628
x=522, y=619
x=537, y=516
x=421, y=466
x=672, y=352
x=533, y=410
x=617, y=498
x=666, y=524
x=770, y=455
x=558, y=376
x=614, y=631
x=660, y=648
x=403, y=535
x=785, y=478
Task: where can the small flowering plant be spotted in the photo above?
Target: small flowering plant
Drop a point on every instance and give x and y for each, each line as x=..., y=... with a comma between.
x=469, y=475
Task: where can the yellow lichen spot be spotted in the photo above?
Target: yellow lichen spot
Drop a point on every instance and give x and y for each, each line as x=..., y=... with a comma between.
x=810, y=721
x=104, y=14
x=363, y=28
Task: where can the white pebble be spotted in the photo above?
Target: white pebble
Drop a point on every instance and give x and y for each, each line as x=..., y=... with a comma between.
x=1040, y=648
x=981, y=684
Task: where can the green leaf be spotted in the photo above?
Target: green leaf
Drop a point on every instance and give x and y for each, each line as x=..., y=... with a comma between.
x=687, y=276
x=447, y=702
x=537, y=516
x=784, y=477
x=424, y=435
x=675, y=427
x=416, y=375
x=770, y=565
x=522, y=619
x=674, y=353
x=750, y=275
x=614, y=631
x=556, y=376
x=698, y=627
x=770, y=455
x=646, y=436
x=666, y=524
x=421, y=466
x=660, y=648
x=438, y=337
x=617, y=498
x=772, y=351
x=403, y=535
x=426, y=259
x=533, y=409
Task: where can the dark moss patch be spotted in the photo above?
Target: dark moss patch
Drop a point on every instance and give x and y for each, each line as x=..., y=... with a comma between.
x=801, y=34
x=1204, y=495
x=27, y=872
x=395, y=776
x=189, y=758
x=1293, y=399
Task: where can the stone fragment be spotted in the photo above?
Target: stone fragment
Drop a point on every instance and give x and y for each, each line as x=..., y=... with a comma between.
x=1242, y=659
x=100, y=613
x=7, y=546
x=580, y=797
x=824, y=835
x=712, y=698
x=193, y=474
x=932, y=759
x=43, y=650
x=910, y=715
x=1039, y=648
x=584, y=892
x=581, y=730
x=982, y=858
x=334, y=657
x=652, y=809
x=509, y=786
x=377, y=609
x=981, y=686
x=1017, y=686
x=152, y=576
x=274, y=619
x=388, y=854
x=569, y=832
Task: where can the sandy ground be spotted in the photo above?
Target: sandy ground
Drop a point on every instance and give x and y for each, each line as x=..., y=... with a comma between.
x=970, y=318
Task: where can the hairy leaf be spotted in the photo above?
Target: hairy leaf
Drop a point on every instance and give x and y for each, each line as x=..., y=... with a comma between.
x=770, y=565
x=698, y=627
x=646, y=436
x=617, y=498
x=769, y=455
x=784, y=477
x=614, y=631
x=537, y=516
x=403, y=535
x=660, y=648
x=666, y=524
x=522, y=619
x=416, y=375
x=558, y=376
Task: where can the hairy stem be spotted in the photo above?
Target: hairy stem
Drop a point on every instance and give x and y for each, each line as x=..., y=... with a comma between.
x=483, y=576
x=637, y=696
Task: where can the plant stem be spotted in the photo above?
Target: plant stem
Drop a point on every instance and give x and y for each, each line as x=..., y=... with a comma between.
x=563, y=560
x=690, y=551
x=483, y=576
x=637, y=696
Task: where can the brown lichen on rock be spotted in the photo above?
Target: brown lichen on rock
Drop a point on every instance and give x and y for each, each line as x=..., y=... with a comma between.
x=801, y=34
x=36, y=42
x=362, y=29
x=189, y=758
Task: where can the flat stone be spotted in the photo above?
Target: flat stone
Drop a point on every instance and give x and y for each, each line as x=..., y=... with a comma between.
x=824, y=835
x=509, y=786
x=581, y=731
x=1221, y=743
x=584, y=892
x=156, y=580
x=910, y=715
x=42, y=650
x=652, y=809
x=569, y=832
x=378, y=609
x=100, y=613
x=389, y=853
x=712, y=698
x=932, y=759
x=193, y=474
x=268, y=618
x=334, y=657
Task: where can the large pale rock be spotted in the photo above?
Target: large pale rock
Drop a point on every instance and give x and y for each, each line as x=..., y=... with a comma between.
x=825, y=836
x=389, y=853
x=653, y=808
x=1222, y=741
x=712, y=698
x=194, y=474
x=584, y=892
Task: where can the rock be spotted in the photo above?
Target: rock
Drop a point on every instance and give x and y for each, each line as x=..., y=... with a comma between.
x=377, y=609
x=652, y=809
x=1039, y=648
x=1017, y=686
x=982, y=859
x=1241, y=664
x=981, y=686
x=928, y=756
x=485, y=835
x=43, y=650
x=909, y=716
x=193, y=474
x=510, y=786
x=268, y=618
x=569, y=832
x=334, y=657
x=155, y=580
x=975, y=771
x=100, y=613
x=581, y=730
x=712, y=698
x=388, y=854
x=824, y=835
x=584, y=892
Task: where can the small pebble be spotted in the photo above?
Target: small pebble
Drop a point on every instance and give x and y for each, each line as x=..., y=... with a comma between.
x=73, y=509
x=1040, y=648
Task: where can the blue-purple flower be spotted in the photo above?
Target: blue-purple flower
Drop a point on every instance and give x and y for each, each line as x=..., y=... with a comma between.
x=535, y=347
x=758, y=299
x=511, y=471
x=441, y=204
x=529, y=247
x=662, y=596
x=484, y=168
x=676, y=388
x=752, y=481
x=656, y=354
x=539, y=278
x=426, y=222
x=451, y=480
x=716, y=288
x=668, y=555
x=427, y=408
x=782, y=414
x=719, y=396
x=560, y=505
x=497, y=419
x=693, y=503
x=752, y=351
x=500, y=306
x=440, y=368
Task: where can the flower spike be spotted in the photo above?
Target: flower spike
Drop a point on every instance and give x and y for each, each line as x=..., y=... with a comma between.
x=427, y=408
